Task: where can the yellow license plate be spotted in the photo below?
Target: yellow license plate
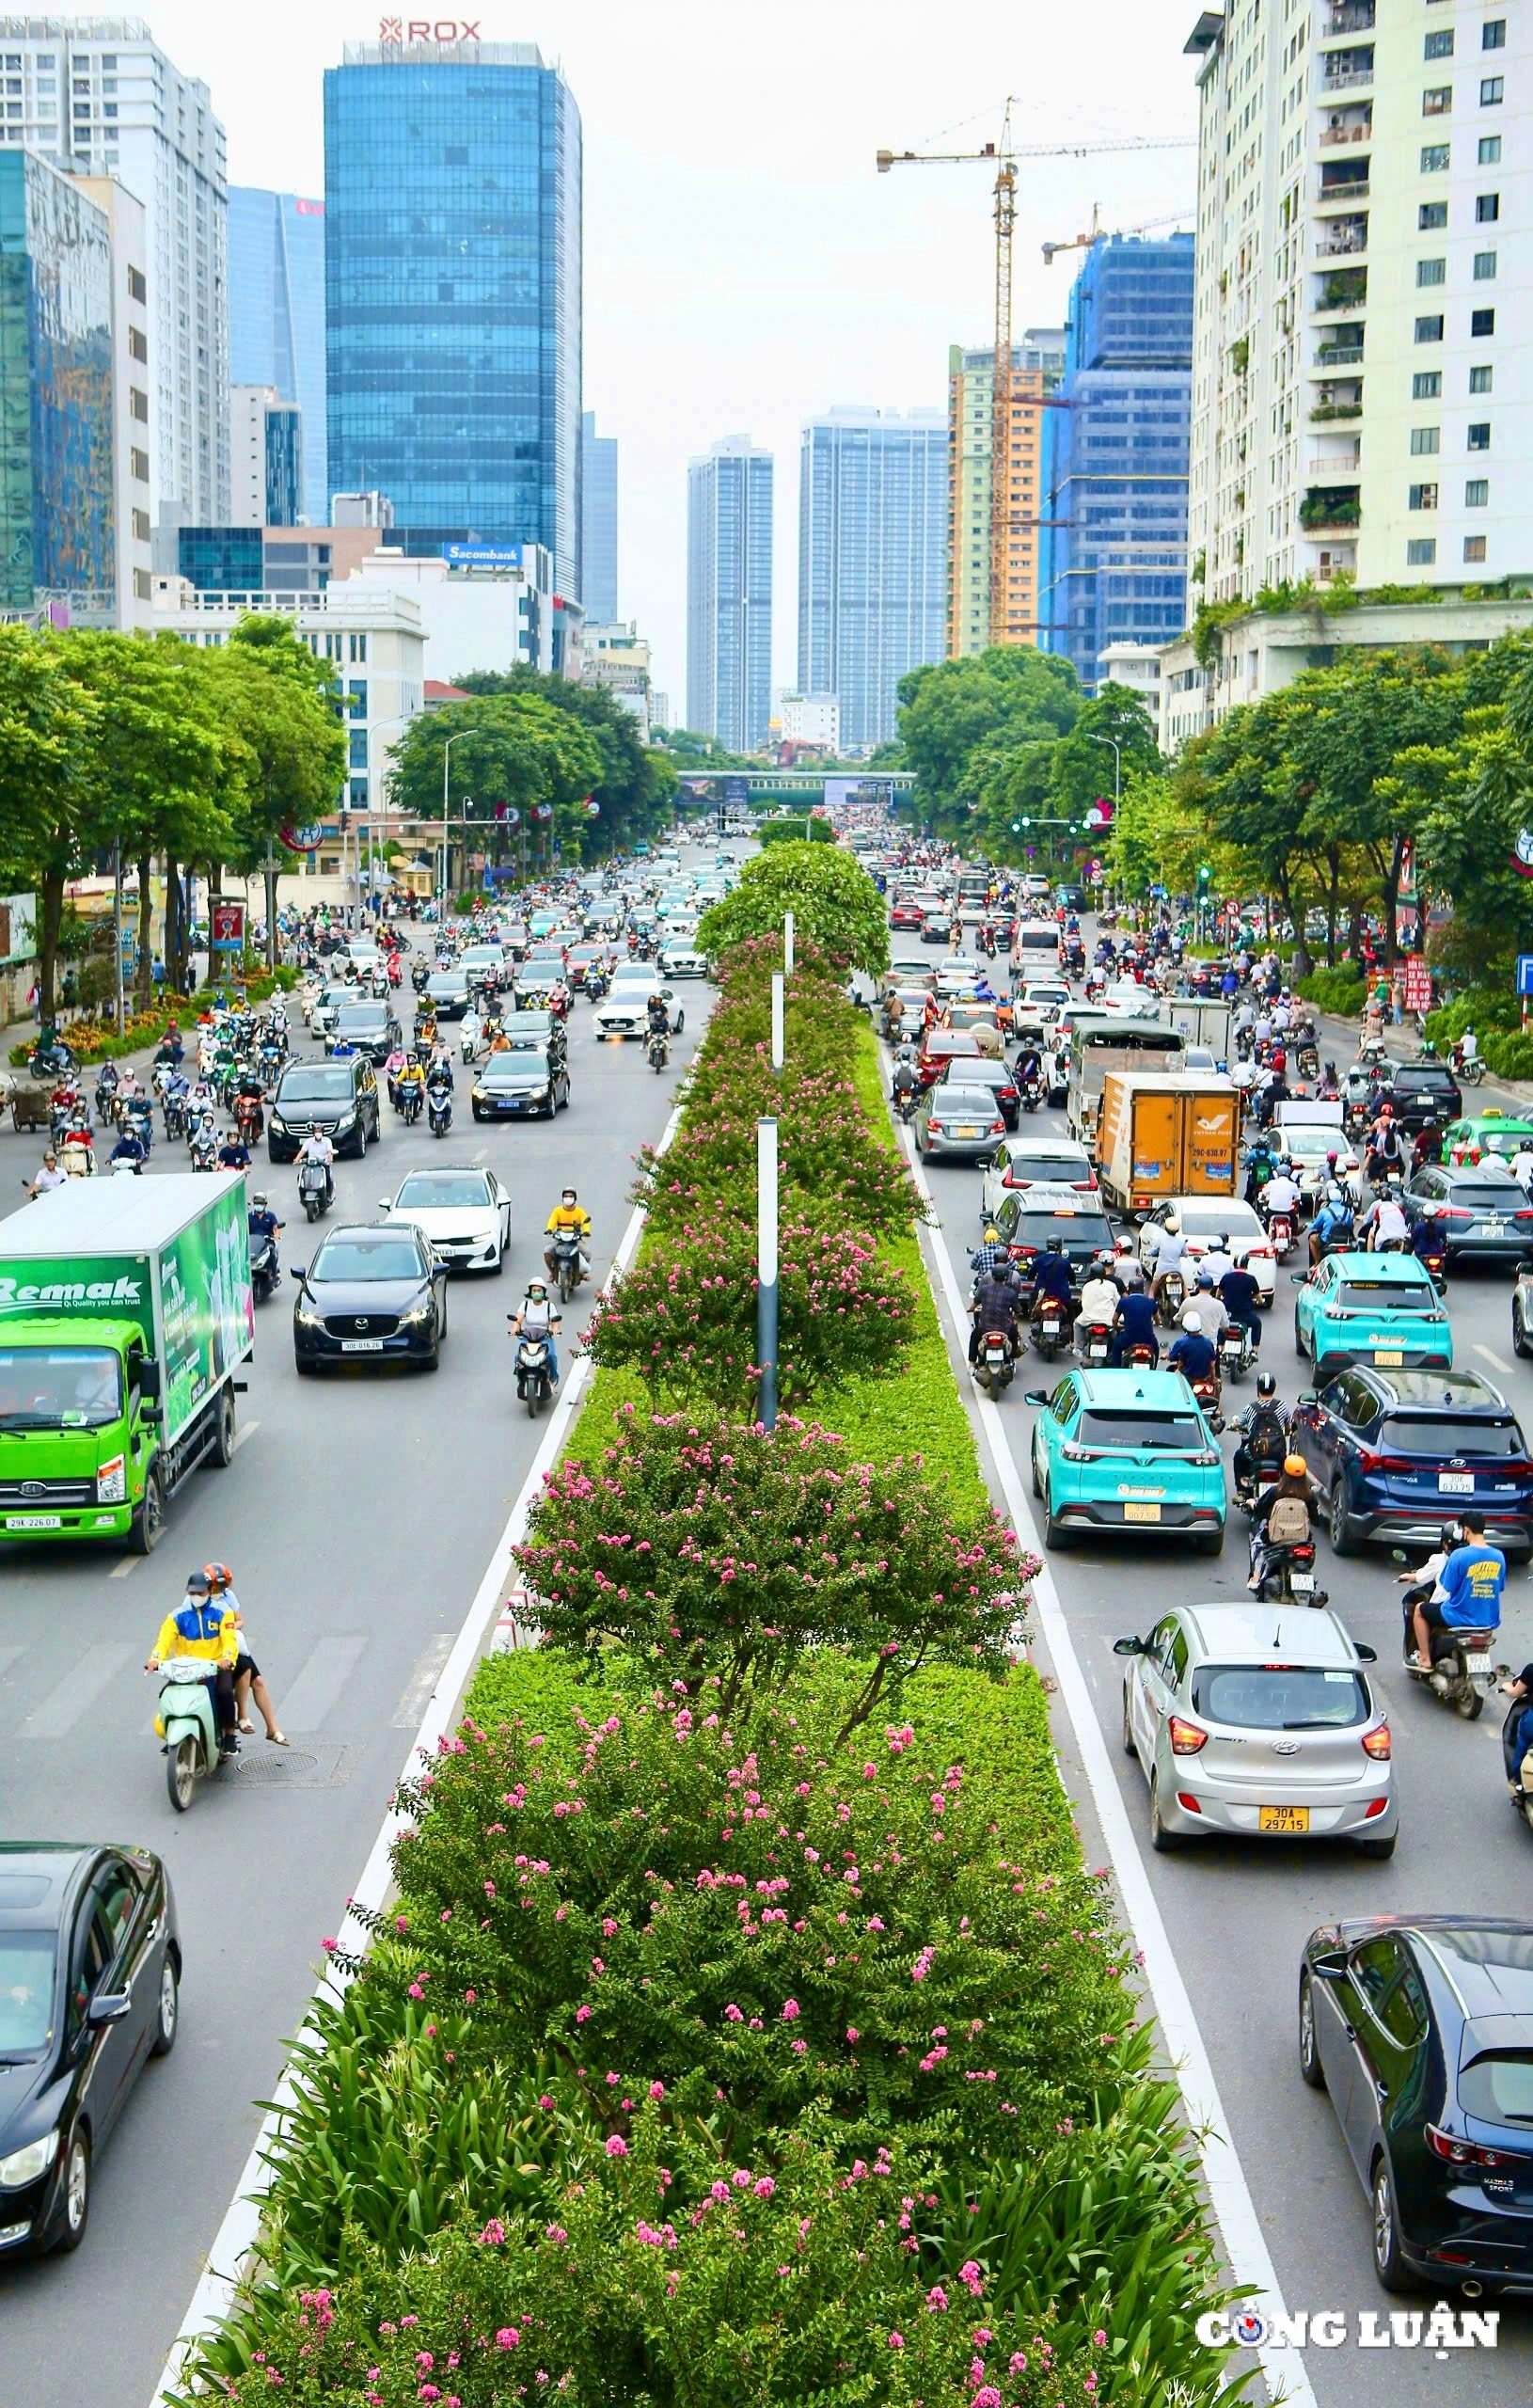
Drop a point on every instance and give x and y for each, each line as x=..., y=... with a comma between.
x=1132, y=1512
x=966, y=1132
x=1381, y=1355
x=1285, y=1818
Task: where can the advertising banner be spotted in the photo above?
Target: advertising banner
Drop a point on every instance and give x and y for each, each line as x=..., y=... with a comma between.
x=839, y=792
x=1417, y=985
x=18, y=928
x=207, y=1310
x=112, y=1286
x=228, y=926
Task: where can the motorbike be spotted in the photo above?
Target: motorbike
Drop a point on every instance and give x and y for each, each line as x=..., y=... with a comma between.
x=269, y=1067
x=1463, y=1667
x=418, y=975
x=1206, y=1393
x=1051, y=1328
x=77, y=1154
x=1140, y=1355
x=1435, y=1265
x=1093, y=1343
x=133, y=1165
x=906, y=1099
x=175, y=1117
x=438, y=1108
x=249, y=1118
x=994, y=1362
x=1172, y=1299
x=409, y=1102
x=1280, y=1232
x=313, y=1189
x=1468, y=1073
x=534, y=1385
x=1031, y=1092
x=1253, y=1477
x=53, y=1061
x=105, y=1097
x=566, y=1253
x=1235, y=1351
x=188, y=1730
x=657, y=1049
x=1290, y=1575
x=264, y=1268
x=204, y=1152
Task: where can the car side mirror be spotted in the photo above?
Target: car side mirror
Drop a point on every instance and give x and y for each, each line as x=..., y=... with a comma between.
x=109, y=2006
x=297, y=1271
x=1364, y=1654
x=1300, y=1278
x=385, y=1203
x=1331, y=1967
x=1307, y=1396
x=1035, y=1395
x=1128, y=1647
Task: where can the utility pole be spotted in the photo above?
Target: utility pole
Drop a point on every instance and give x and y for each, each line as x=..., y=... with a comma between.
x=767, y=1270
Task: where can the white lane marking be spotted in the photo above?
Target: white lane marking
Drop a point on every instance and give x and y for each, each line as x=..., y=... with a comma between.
x=1492, y=1357
x=418, y=1689
x=1245, y=2243
x=129, y=1563
x=245, y=1430
x=213, y=2297
x=10, y=1655
x=56, y=1714
x=320, y=1682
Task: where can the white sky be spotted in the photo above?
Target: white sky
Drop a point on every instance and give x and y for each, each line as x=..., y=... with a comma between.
x=745, y=266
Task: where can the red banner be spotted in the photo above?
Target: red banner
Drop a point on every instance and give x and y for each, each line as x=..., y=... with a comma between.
x=1417, y=985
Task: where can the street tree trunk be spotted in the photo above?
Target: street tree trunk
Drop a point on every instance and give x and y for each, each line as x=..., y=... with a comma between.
x=144, y=973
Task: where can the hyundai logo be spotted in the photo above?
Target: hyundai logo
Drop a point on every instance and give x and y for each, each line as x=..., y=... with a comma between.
x=1285, y=1746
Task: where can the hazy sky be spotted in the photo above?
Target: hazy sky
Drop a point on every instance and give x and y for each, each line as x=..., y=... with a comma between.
x=745, y=266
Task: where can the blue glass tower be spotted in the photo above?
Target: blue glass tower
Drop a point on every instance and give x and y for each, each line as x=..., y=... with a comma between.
x=1115, y=560
x=276, y=315
x=452, y=290
x=873, y=495
x=728, y=594
x=57, y=516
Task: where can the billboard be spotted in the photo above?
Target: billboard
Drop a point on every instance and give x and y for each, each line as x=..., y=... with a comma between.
x=483, y=555
x=865, y=793
x=18, y=929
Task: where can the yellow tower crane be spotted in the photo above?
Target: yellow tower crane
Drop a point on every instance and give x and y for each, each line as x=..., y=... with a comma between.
x=1004, y=156
x=1095, y=231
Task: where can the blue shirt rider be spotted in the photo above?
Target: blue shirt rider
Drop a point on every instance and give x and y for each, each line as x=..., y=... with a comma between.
x=1192, y=1354
x=130, y=1147
x=1051, y=1274
x=1133, y=1325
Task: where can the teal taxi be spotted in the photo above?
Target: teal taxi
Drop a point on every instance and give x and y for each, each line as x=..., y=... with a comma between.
x=1378, y=1309
x=1127, y=1454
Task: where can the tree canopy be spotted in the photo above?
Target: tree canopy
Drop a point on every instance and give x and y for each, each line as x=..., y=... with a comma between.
x=834, y=904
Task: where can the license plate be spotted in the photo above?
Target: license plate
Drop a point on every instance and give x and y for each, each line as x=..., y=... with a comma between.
x=361, y=1346
x=1301, y=1583
x=34, y=1521
x=1478, y=1663
x=1285, y=1818
x=1097, y=1354
x=1132, y=1512
x=1388, y=1354
x=1456, y=1484
x=966, y=1132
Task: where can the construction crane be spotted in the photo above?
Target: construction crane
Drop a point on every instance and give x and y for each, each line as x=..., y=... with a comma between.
x=1094, y=231
x=1004, y=156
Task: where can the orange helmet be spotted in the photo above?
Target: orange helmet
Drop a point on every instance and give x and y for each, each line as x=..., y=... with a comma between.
x=218, y=1576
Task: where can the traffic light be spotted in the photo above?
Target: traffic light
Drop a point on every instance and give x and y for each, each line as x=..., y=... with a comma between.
x=1203, y=873
x=1016, y=827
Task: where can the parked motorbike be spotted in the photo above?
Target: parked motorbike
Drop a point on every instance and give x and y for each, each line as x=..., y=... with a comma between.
x=534, y=1382
x=188, y=1730
x=995, y=1362
x=313, y=1189
x=566, y=1253
x=438, y=1107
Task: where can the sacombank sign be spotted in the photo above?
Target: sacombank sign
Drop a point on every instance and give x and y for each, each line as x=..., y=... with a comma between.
x=441, y=29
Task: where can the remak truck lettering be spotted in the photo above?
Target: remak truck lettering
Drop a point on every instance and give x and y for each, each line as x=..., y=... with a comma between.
x=57, y=1295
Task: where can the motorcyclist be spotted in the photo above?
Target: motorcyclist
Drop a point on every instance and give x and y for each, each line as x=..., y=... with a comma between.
x=1193, y=1353
x=1468, y=1048
x=1263, y=1440
x=1386, y=1145
x=1429, y=1239
x=1029, y=1062
x=1332, y=1223
x=411, y=1080
x=539, y=1317
x=233, y=1154
x=1237, y=1292
x=130, y=1146
x=266, y=1229
x=1281, y=1194
x=204, y=1628
x=1167, y=1252
x=1218, y=1260
x=996, y=1306
x=1258, y=1172
x=1099, y=1297
x=49, y=1177
x=1517, y=1742
x=907, y=1080
x=1133, y=1325
x=1384, y=1225
x=1051, y=1282
x=317, y=1147
x=1294, y=1488
x=1468, y=1591
x=1207, y=1306
x=991, y=1251
x=568, y=1213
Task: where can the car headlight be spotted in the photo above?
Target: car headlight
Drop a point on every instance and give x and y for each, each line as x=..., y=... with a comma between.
x=23, y=2166
x=278, y=1126
x=345, y=1121
x=418, y=1314
x=112, y=1482
x=306, y=1318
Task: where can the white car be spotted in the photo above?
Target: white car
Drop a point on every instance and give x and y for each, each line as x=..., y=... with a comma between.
x=1201, y=1219
x=1043, y=998
x=625, y=1011
x=1025, y=1161
x=680, y=959
x=958, y=971
x=1035, y=888
x=461, y=1211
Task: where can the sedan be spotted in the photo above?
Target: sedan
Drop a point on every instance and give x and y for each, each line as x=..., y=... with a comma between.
x=330, y=999
x=983, y=1073
x=518, y=1084
x=1029, y=1161
x=625, y=1011
x=370, y=1293
x=682, y=957
x=1028, y=1220
x=1127, y=1451
x=935, y=926
x=957, y=974
x=907, y=915
x=957, y=1123
x=1397, y=1452
x=1485, y=1215
x=1258, y=1721
x=1201, y=1220
x=1421, y=2029
x=447, y=993
x=463, y=1212
x=1370, y=1308
x=90, y=1988
x=940, y=1046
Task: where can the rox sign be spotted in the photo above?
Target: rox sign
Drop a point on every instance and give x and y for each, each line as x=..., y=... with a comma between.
x=442, y=29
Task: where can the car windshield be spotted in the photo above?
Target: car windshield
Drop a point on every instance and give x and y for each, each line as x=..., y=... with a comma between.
x=1218, y=1220
x=522, y=1068
x=1076, y=1229
x=1279, y=1697
x=1423, y=1434
x=1496, y=2087
x=1500, y=1141
x=430, y=1190
x=362, y=1016
x=446, y=982
x=314, y=1082
x=58, y=1388
x=1047, y=1167
x=27, y=1991
x=360, y=1257
x=1134, y=1429
x=1377, y=1296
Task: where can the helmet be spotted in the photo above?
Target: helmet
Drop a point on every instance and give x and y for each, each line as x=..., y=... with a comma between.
x=1205, y=1279
x=1448, y=1535
x=257, y=1202
x=992, y=1235
x=1295, y=1467
x=1265, y=1386
x=314, y=1129
x=1105, y=1260
x=1055, y=1245
x=197, y=1584
x=218, y=1576
x=537, y=1286
x=1334, y=1194
x=1387, y=1111
x=569, y=1195
x=1190, y=1321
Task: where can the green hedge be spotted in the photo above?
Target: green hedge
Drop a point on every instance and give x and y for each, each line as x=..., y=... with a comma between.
x=1509, y=1057
x=1340, y=992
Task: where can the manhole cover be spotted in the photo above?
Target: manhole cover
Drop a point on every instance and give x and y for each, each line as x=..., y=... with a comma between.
x=259, y=1766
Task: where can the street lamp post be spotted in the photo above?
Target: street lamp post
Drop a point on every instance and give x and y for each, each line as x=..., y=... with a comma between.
x=767, y=1270
x=447, y=755
x=1117, y=767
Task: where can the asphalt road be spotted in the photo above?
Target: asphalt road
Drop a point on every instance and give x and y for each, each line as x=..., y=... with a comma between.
x=1237, y=1915
x=358, y=1516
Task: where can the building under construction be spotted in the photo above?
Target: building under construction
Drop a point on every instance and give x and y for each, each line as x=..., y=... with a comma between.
x=1038, y=365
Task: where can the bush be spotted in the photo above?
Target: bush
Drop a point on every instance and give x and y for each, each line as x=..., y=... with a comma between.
x=1483, y=1009
x=1340, y=992
x=1510, y=1056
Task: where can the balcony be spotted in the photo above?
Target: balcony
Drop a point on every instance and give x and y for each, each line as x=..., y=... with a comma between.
x=1332, y=356
x=1345, y=238
x=1327, y=506
x=1350, y=79
x=1355, y=17
x=1338, y=468
x=1328, y=409
x=1341, y=561
x=1343, y=289
x=1342, y=196
x=1338, y=137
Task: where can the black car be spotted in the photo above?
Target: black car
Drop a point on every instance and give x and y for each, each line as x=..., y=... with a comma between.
x=370, y=1028
x=534, y=1032
x=1028, y=1219
x=520, y=1083
x=1486, y=1215
x=89, y=1986
x=342, y=1097
x=1423, y=1091
x=1072, y=897
x=997, y=1076
x=936, y=926
x=1421, y=2029
x=447, y=993
x=1399, y=1452
x=372, y=1293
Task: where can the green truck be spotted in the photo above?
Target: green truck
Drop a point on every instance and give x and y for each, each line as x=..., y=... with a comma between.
x=125, y=1313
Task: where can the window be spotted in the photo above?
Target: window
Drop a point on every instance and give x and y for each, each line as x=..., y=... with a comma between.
x=1423, y=497
x=1479, y=379
x=1493, y=34
x=142, y=532
x=1421, y=551
x=1435, y=159
x=1432, y=271
x=1476, y=493
x=138, y=343
x=359, y=748
x=1427, y=386
x=138, y=404
x=1428, y=330
x=1437, y=100
x=140, y=467
x=1431, y=217
x=137, y=289
x=1490, y=151
x=1491, y=91
x=1439, y=45
x=1424, y=441
x=1479, y=436
x=1474, y=547
x=1482, y=322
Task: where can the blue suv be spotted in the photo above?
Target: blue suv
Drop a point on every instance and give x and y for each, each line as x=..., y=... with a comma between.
x=1400, y=1453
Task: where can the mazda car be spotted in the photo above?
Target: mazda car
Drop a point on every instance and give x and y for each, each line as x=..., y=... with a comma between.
x=370, y=1294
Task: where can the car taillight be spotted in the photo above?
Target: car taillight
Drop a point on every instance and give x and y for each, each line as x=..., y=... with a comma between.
x=1454, y=1213
x=998, y=1128
x=1377, y=1743
x=1454, y=2151
x=934, y=1128
x=1260, y=1253
x=1186, y=1737
x=1371, y=1462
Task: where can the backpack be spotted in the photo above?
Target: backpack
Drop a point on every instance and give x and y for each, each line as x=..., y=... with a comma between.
x=1287, y=1525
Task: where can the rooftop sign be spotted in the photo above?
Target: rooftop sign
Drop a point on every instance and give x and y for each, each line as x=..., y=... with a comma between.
x=440, y=29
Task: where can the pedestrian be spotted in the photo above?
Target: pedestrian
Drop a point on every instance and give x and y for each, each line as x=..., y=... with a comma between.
x=1397, y=996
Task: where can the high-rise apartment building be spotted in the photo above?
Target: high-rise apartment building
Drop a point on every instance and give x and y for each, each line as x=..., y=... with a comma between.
x=1037, y=363
x=133, y=397
x=452, y=290
x=1361, y=394
x=96, y=95
x=873, y=491
x=728, y=594
x=265, y=435
x=1114, y=541
x=598, y=523
x=276, y=315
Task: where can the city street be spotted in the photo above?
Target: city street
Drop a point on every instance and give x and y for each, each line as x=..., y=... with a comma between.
x=358, y=1517
x=1238, y=1916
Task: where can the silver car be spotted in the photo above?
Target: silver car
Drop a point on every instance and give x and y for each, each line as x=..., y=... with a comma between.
x=1259, y=1720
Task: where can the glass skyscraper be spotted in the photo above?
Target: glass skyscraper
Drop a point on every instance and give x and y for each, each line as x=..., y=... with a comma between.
x=598, y=523
x=873, y=495
x=728, y=594
x=276, y=315
x=452, y=290
x=57, y=512
x=1114, y=558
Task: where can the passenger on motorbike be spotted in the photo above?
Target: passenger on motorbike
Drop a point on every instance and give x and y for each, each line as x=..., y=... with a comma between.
x=1468, y=1593
x=1237, y=1292
x=1384, y=1225
x=1193, y=1353
x=1281, y=1194
x=907, y=1080
x=1386, y=1145
x=568, y=1213
x=993, y=1250
x=996, y=1306
x=1168, y=1252
x=1263, y=1441
x=539, y=1317
x=1274, y=1524
x=1429, y=1239
x=1099, y=1297
x=203, y=1629
x=1332, y=1224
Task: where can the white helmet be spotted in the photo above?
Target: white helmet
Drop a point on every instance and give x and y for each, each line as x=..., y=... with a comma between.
x=1190, y=1321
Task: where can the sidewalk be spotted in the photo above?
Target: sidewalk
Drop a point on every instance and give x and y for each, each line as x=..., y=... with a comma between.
x=1340, y=1038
